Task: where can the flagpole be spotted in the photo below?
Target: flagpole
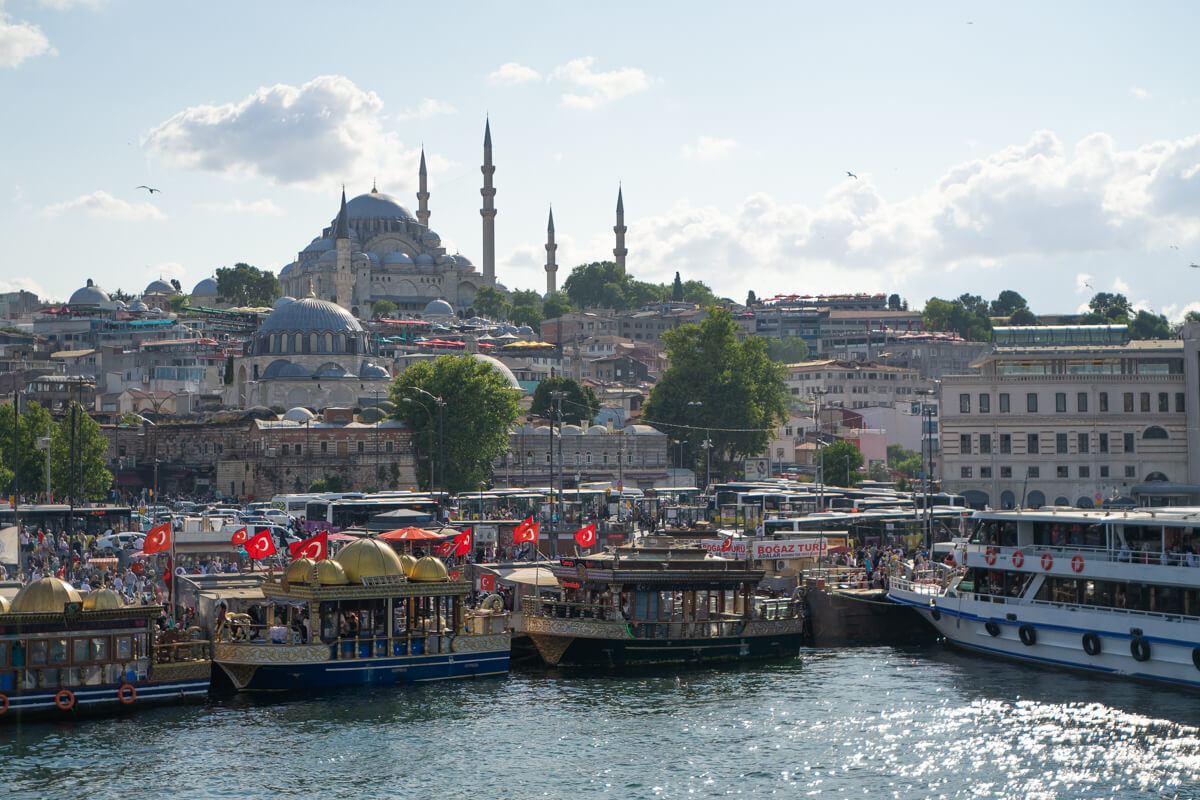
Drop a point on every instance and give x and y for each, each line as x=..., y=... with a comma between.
x=171, y=559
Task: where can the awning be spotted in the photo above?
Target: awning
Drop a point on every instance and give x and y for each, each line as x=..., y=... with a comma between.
x=1163, y=488
x=524, y=576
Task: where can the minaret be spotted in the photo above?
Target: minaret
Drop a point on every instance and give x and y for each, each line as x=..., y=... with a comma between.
x=551, y=248
x=343, y=278
x=619, y=229
x=423, y=193
x=488, y=212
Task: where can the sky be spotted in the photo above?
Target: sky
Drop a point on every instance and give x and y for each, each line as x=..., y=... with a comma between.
x=1048, y=148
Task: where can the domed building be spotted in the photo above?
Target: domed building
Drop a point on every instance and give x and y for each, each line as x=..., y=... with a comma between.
x=158, y=293
x=205, y=293
x=309, y=353
x=91, y=296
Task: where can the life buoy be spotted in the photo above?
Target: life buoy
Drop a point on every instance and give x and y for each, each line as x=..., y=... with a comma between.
x=64, y=699
x=3, y=704
x=1047, y=561
x=934, y=611
x=950, y=559
x=992, y=628
x=1091, y=644
x=990, y=556
x=1077, y=562
x=127, y=699
x=1028, y=635
x=1139, y=648
x=1018, y=558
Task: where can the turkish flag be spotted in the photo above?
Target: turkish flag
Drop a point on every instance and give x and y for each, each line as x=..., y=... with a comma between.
x=260, y=545
x=158, y=539
x=314, y=547
x=526, y=531
x=728, y=543
x=446, y=548
x=462, y=543
x=586, y=536
x=239, y=537
x=487, y=582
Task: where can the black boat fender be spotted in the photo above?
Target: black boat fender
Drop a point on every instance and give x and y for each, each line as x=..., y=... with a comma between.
x=1139, y=648
x=1091, y=644
x=992, y=628
x=1028, y=635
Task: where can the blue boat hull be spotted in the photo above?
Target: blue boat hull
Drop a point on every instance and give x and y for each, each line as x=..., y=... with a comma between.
x=101, y=700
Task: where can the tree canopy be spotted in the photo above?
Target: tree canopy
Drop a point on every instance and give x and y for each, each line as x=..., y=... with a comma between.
x=479, y=408
x=244, y=285
x=842, y=461
x=77, y=468
x=556, y=304
x=30, y=460
x=904, y=461
x=717, y=386
x=1107, y=308
x=788, y=350
x=579, y=407
x=603, y=285
x=967, y=315
x=382, y=308
x=490, y=302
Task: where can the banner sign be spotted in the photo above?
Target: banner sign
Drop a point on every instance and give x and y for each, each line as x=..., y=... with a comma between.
x=760, y=550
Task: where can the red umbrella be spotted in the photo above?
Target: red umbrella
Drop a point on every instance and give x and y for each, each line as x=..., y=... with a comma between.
x=409, y=535
x=342, y=537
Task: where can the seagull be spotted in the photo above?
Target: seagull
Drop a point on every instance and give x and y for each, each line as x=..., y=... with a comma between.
x=1088, y=285
x=851, y=174
x=149, y=189
x=1174, y=247
x=1194, y=266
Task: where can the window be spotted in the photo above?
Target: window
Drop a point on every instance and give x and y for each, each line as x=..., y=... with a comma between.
x=1084, y=442
x=964, y=444
x=1179, y=404
x=1033, y=472
x=1005, y=444
x=299, y=449
x=1128, y=401
x=1060, y=402
x=1128, y=442
x=1063, y=472
x=1031, y=443
x=1081, y=402
x=324, y=447
x=1155, y=432
x=1060, y=443
x=1085, y=472
x=964, y=403
x=965, y=472
x=387, y=446
x=1145, y=402
x=1031, y=402
x=985, y=444
x=1006, y=472
x=1130, y=471
x=1104, y=471
x=985, y=472
x=285, y=449
x=1164, y=402
x=1104, y=402
x=1104, y=443
x=361, y=446
x=985, y=404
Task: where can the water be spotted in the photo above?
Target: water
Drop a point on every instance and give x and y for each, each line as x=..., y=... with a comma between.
x=874, y=723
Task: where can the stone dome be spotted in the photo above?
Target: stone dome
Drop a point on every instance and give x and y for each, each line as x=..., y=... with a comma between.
x=524, y=330
x=283, y=301
x=120, y=305
x=504, y=371
x=370, y=416
x=300, y=570
x=408, y=562
x=206, y=287
x=282, y=368
x=4, y=605
x=572, y=430
x=89, y=295
x=429, y=570
x=368, y=558
x=462, y=260
x=331, y=573
x=332, y=371
x=439, y=307
x=139, y=307
x=425, y=260
x=372, y=371
x=376, y=205
x=287, y=269
x=328, y=257
x=397, y=257
x=299, y=414
x=310, y=314
x=102, y=600
x=160, y=287
x=597, y=429
x=45, y=596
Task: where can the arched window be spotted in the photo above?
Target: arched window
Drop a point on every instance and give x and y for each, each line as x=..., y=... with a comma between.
x=1156, y=477
x=1155, y=432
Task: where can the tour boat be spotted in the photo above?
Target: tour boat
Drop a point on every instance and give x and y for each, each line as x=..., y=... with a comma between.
x=660, y=604
x=368, y=616
x=63, y=654
x=1112, y=592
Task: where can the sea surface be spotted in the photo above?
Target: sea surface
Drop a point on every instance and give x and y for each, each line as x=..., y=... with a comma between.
x=871, y=723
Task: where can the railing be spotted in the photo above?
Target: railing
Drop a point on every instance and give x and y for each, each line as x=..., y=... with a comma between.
x=364, y=645
x=1032, y=554
x=182, y=651
x=719, y=625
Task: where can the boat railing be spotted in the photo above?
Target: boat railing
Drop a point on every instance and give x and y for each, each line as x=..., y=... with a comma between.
x=174, y=651
x=1032, y=553
x=717, y=625
x=930, y=582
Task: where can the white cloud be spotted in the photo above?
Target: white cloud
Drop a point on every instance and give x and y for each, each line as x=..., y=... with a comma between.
x=1140, y=94
x=67, y=5
x=1120, y=286
x=512, y=73
x=603, y=87
x=708, y=148
x=1083, y=282
x=20, y=41
x=102, y=204
x=428, y=108
x=266, y=208
x=26, y=284
x=321, y=134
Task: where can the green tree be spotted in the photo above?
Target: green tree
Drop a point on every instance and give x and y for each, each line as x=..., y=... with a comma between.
x=178, y=286
x=677, y=289
x=177, y=303
x=556, y=304
x=479, y=407
x=30, y=460
x=904, y=461
x=124, y=297
x=842, y=461
x=1108, y=309
x=894, y=302
x=78, y=469
x=879, y=471
x=244, y=285
x=1008, y=302
x=717, y=386
x=382, y=308
x=579, y=407
x=597, y=285
x=1023, y=316
x=491, y=303
x=788, y=350
x=526, y=308
x=967, y=315
x=1146, y=325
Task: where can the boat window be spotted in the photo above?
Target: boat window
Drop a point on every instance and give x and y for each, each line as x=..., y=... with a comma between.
x=3, y=654
x=48, y=678
x=58, y=651
x=139, y=643
x=100, y=648
x=124, y=647
x=79, y=650
x=38, y=650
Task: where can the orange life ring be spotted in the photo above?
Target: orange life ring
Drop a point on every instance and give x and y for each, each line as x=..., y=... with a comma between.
x=990, y=556
x=950, y=559
x=1077, y=562
x=3, y=704
x=1018, y=558
x=1047, y=561
x=127, y=699
x=67, y=696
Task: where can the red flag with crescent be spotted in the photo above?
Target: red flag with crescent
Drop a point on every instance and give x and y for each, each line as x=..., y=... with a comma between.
x=526, y=531
x=314, y=547
x=462, y=543
x=446, y=548
x=260, y=545
x=586, y=536
x=158, y=539
x=727, y=544
x=239, y=537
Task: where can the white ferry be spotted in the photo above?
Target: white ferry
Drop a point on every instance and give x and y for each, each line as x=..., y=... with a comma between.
x=1114, y=592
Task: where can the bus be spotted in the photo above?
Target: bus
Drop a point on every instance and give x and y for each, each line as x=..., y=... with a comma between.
x=339, y=512
x=92, y=519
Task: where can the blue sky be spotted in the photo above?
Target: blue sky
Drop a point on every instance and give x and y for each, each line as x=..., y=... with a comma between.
x=1050, y=148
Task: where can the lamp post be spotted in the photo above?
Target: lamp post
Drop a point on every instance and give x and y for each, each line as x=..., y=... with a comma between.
x=820, y=453
x=441, y=407
x=926, y=461
x=700, y=404
x=555, y=397
x=422, y=406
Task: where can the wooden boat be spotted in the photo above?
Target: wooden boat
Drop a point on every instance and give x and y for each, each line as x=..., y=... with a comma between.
x=368, y=616
x=66, y=655
x=660, y=604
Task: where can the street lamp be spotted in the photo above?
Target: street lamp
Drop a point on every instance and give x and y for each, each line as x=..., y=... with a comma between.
x=441, y=407
x=927, y=408
x=555, y=396
x=422, y=406
x=706, y=444
x=818, y=393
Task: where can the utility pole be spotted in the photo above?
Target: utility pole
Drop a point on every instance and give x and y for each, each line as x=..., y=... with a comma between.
x=556, y=397
x=16, y=456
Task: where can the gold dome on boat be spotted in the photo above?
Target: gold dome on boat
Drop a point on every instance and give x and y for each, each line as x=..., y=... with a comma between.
x=408, y=563
x=429, y=570
x=102, y=600
x=331, y=573
x=369, y=558
x=4, y=604
x=44, y=596
x=300, y=570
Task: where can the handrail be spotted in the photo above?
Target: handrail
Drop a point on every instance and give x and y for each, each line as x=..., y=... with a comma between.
x=1142, y=557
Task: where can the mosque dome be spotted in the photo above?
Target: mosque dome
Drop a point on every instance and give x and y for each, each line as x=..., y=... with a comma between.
x=300, y=570
x=574, y=430
x=299, y=414
x=524, y=330
x=160, y=287
x=4, y=604
x=102, y=600
x=332, y=371
x=409, y=563
x=370, y=416
x=139, y=307
x=439, y=307
x=425, y=260
x=208, y=287
x=319, y=245
x=430, y=239
x=328, y=257
x=640, y=430
x=331, y=573
x=397, y=257
x=504, y=371
x=282, y=368
x=461, y=260
x=310, y=314
x=369, y=558
x=44, y=596
x=376, y=205
x=429, y=570
x=287, y=269
x=283, y=301
x=158, y=312
x=595, y=429
x=89, y=295
x=120, y=304
x=372, y=371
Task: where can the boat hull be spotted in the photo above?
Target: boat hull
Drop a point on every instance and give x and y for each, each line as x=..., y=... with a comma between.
x=106, y=700
x=862, y=617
